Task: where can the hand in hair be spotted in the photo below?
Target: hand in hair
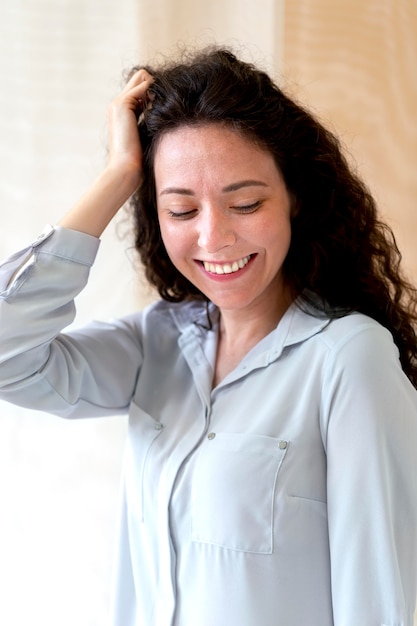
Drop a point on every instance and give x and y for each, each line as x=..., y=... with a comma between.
x=125, y=151
x=122, y=175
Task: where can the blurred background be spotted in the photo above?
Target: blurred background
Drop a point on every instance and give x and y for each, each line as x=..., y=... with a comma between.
x=353, y=62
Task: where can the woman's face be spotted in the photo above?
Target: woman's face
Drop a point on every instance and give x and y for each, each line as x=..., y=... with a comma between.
x=224, y=214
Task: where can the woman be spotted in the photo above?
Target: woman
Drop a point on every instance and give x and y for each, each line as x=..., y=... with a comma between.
x=270, y=471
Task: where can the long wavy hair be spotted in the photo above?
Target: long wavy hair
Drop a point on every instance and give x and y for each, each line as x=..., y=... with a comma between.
x=342, y=257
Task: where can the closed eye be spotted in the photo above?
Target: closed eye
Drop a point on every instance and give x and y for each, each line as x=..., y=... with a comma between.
x=181, y=215
x=241, y=208
x=248, y=208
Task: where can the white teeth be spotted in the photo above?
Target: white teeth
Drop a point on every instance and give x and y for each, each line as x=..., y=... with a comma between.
x=227, y=268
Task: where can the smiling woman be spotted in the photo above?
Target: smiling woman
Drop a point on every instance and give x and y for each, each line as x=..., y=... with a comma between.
x=225, y=224
x=270, y=463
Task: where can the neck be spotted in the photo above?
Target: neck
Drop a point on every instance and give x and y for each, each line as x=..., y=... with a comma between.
x=250, y=326
x=240, y=331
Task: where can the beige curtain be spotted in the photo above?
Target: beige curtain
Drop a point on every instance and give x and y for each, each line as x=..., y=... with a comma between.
x=355, y=62
x=255, y=27
x=61, y=61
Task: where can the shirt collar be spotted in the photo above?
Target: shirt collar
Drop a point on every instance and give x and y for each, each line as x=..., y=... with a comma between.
x=195, y=313
x=296, y=325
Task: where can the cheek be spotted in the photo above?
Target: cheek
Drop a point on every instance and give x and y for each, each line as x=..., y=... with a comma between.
x=273, y=234
x=284, y=238
x=278, y=244
x=164, y=235
x=175, y=241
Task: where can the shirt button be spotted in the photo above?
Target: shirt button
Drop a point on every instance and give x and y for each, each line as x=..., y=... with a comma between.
x=282, y=445
x=44, y=235
x=158, y=426
x=211, y=435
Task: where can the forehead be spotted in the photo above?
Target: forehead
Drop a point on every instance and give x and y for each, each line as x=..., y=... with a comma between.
x=216, y=131
x=210, y=151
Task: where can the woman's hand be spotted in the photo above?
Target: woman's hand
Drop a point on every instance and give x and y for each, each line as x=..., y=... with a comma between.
x=125, y=151
x=122, y=175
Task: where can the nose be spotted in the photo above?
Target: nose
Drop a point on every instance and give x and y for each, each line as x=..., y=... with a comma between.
x=215, y=230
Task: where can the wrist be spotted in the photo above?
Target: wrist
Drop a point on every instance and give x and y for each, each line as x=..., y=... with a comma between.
x=103, y=199
x=126, y=178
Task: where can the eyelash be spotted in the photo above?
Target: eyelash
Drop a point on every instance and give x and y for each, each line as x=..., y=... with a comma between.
x=247, y=208
x=183, y=215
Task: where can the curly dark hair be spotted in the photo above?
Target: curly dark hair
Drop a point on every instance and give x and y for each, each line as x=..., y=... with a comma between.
x=342, y=257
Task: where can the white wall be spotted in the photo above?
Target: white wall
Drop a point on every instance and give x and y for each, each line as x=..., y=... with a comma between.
x=60, y=64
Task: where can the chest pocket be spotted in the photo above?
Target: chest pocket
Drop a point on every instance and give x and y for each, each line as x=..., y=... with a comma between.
x=233, y=491
x=143, y=431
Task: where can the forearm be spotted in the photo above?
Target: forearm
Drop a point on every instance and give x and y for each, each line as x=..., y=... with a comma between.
x=75, y=374
x=122, y=176
x=38, y=304
x=96, y=208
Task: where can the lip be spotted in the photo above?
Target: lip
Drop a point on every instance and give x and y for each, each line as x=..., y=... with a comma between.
x=226, y=276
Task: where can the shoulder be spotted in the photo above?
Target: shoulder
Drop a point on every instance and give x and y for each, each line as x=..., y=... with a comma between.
x=359, y=343
x=354, y=343
x=362, y=355
x=331, y=335
x=363, y=385
x=357, y=329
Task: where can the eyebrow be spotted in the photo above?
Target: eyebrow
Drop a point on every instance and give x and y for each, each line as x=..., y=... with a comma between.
x=243, y=183
x=229, y=188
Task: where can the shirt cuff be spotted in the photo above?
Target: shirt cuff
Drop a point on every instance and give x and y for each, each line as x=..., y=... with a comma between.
x=67, y=244
x=56, y=241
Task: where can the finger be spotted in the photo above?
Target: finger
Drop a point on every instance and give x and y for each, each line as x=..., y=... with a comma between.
x=139, y=91
x=135, y=91
x=138, y=78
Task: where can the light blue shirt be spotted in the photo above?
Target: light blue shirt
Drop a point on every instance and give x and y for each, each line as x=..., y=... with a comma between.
x=285, y=496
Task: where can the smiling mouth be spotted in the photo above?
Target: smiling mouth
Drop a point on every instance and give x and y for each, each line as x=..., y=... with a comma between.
x=226, y=268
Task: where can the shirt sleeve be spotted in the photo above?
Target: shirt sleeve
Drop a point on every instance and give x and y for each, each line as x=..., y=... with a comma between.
x=81, y=373
x=370, y=417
